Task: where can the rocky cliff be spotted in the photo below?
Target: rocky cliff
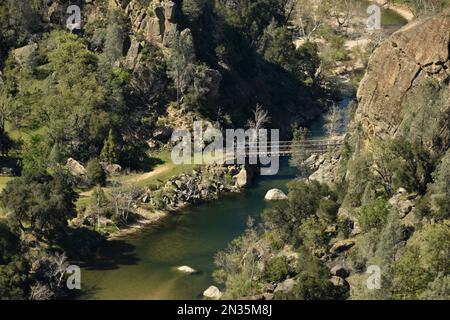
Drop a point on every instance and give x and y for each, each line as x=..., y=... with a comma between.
x=406, y=89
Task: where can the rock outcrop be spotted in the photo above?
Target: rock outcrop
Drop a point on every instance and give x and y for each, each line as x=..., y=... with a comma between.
x=403, y=202
x=342, y=245
x=398, y=71
x=194, y=188
x=156, y=22
x=286, y=286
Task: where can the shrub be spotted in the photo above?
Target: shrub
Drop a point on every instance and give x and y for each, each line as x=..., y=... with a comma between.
x=374, y=215
x=277, y=269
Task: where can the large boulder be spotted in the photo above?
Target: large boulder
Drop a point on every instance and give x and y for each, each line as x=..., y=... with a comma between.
x=75, y=168
x=340, y=271
x=275, y=195
x=22, y=54
x=212, y=293
x=242, y=178
x=111, y=169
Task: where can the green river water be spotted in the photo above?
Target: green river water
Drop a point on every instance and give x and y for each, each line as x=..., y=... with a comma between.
x=143, y=266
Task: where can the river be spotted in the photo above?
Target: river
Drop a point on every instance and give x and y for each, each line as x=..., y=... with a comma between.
x=143, y=266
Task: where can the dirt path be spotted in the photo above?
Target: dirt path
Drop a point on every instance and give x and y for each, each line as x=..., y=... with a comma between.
x=159, y=170
x=138, y=178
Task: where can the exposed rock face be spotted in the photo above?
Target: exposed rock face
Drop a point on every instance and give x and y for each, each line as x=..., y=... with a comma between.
x=275, y=195
x=342, y=246
x=285, y=286
x=212, y=293
x=413, y=56
x=156, y=22
x=324, y=167
x=403, y=202
x=339, y=282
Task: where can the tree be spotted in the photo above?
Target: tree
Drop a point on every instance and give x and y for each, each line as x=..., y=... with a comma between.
x=180, y=61
x=307, y=64
x=424, y=261
x=440, y=189
x=426, y=6
x=56, y=155
x=99, y=204
x=310, y=17
x=6, y=143
x=333, y=121
x=40, y=291
x=374, y=215
x=35, y=154
x=40, y=203
x=304, y=201
x=115, y=37
x=398, y=163
x=95, y=173
x=298, y=151
x=5, y=108
x=313, y=281
x=260, y=118
x=277, y=269
x=193, y=9
x=109, y=151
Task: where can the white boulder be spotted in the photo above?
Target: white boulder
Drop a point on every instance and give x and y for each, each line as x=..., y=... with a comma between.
x=186, y=269
x=212, y=293
x=275, y=195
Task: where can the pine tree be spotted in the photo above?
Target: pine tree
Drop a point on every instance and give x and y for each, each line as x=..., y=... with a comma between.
x=114, y=38
x=181, y=61
x=109, y=151
x=56, y=154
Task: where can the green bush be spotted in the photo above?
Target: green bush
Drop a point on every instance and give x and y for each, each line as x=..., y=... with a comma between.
x=374, y=215
x=328, y=209
x=277, y=269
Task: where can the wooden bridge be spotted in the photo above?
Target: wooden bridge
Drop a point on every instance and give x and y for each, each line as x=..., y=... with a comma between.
x=287, y=148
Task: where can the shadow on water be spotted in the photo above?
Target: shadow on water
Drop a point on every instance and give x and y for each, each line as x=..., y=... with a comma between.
x=93, y=252
x=112, y=255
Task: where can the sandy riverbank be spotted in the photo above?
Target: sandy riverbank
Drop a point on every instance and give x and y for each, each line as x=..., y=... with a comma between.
x=149, y=219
